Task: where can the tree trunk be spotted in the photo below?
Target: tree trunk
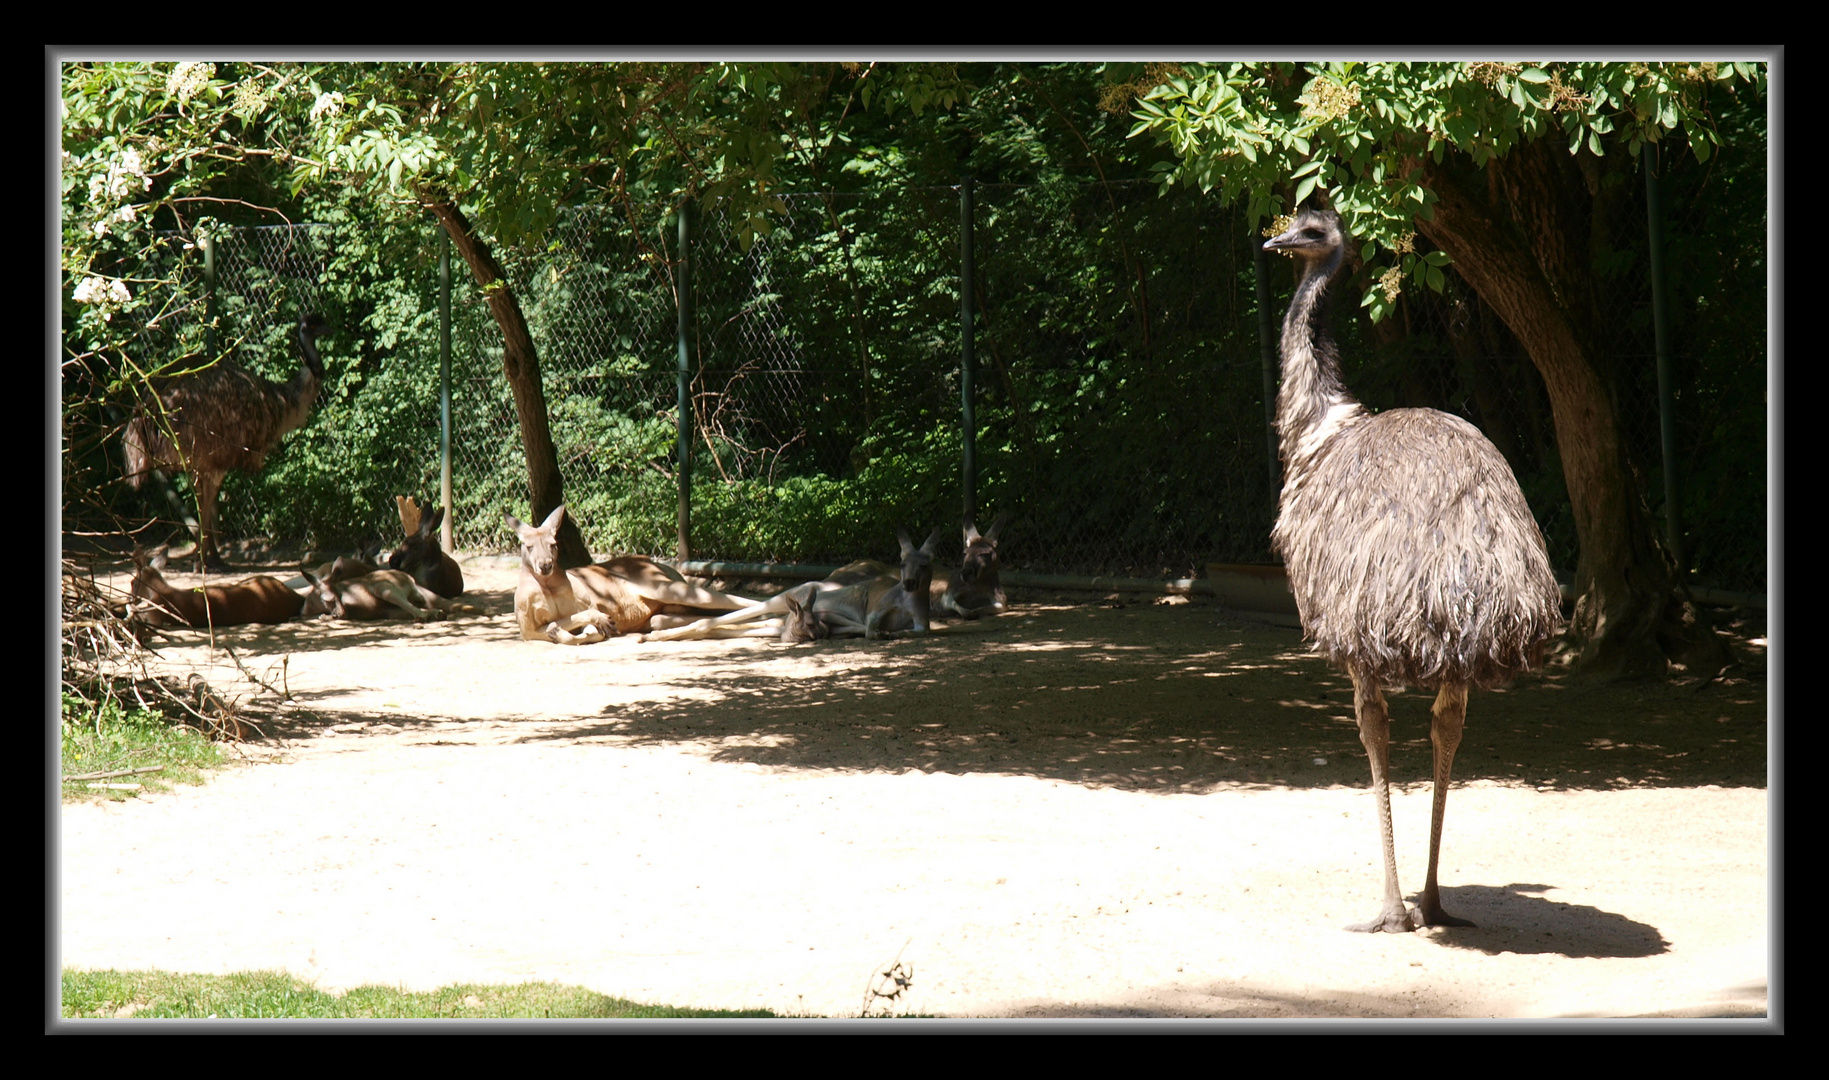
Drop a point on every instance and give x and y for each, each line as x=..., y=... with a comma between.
x=1529, y=265
x=522, y=366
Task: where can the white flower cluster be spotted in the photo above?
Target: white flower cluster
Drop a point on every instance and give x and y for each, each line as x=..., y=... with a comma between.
x=327, y=105
x=250, y=100
x=95, y=290
x=126, y=213
x=125, y=177
x=1391, y=283
x=119, y=182
x=188, y=78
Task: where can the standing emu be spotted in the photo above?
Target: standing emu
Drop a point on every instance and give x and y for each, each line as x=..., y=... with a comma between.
x=223, y=417
x=1411, y=552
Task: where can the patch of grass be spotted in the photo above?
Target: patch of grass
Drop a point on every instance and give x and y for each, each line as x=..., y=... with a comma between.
x=104, y=737
x=272, y=995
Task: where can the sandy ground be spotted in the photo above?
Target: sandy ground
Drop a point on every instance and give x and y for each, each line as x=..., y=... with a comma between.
x=1118, y=809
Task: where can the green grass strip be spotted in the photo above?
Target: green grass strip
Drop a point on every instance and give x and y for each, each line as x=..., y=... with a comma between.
x=272, y=995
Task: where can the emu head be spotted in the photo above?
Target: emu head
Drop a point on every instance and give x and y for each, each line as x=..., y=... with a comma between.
x=1314, y=236
x=309, y=328
x=539, y=546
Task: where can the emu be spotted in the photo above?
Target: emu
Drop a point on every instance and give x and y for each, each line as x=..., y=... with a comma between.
x=223, y=417
x=1411, y=552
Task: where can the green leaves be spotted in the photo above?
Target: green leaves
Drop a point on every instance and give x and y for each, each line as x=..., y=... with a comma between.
x=1358, y=132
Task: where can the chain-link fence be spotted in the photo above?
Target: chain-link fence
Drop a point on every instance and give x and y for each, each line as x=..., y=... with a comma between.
x=1121, y=422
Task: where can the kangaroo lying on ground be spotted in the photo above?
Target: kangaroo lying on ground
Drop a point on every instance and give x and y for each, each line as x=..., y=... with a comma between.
x=864, y=597
x=378, y=594
x=591, y=603
x=155, y=602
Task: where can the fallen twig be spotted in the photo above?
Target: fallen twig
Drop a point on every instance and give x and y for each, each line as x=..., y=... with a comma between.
x=114, y=772
x=284, y=695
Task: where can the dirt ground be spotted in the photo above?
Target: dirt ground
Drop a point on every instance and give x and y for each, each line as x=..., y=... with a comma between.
x=1115, y=808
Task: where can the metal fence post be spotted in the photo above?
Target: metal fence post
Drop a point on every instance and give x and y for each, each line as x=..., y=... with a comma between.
x=684, y=290
x=448, y=530
x=968, y=420
x=1660, y=324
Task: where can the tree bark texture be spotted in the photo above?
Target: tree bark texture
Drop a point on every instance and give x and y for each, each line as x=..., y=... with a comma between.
x=1523, y=244
x=521, y=363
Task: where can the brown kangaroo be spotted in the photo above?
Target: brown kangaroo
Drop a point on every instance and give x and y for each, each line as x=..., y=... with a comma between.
x=591, y=603
x=421, y=556
x=976, y=589
x=260, y=599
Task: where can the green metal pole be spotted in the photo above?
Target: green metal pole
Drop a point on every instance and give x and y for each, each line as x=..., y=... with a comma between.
x=967, y=362
x=448, y=531
x=684, y=288
x=1660, y=324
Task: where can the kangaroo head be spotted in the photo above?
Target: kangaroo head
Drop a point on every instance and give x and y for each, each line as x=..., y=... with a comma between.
x=801, y=624
x=539, y=545
x=980, y=558
x=420, y=548
x=323, y=598
x=917, y=562
x=148, y=583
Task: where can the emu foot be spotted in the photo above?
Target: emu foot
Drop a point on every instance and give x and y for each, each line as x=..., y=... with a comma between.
x=1429, y=913
x=1400, y=921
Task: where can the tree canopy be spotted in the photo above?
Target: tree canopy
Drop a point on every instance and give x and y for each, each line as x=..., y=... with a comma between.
x=1360, y=132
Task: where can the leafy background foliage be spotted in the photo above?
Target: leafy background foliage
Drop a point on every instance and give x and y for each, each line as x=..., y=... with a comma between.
x=1120, y=377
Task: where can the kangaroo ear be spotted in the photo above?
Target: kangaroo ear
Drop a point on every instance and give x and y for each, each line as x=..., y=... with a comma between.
x=901, y=537
x=932, y=539
x=431, y=523
x=513, y=522
x=996, y=525
x=553, y=519
x=971, y=531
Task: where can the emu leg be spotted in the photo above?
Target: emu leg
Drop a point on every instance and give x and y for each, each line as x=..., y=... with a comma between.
x=1449, y=717
x=208, y=484
x=1375, y=734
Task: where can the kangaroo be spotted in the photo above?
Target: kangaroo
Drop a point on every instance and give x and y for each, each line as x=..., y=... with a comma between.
x=421, y=556
x=863, y=597
x=379, y=594
x=591, y=603
x=155, y=602
x=975, y=589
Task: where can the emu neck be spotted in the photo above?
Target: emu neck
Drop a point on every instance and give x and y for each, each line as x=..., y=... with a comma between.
x=1312, y=400
x=308, y=347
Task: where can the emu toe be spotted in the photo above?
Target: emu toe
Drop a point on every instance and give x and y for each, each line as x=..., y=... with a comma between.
x=1401, y=921
x=1431, y=914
